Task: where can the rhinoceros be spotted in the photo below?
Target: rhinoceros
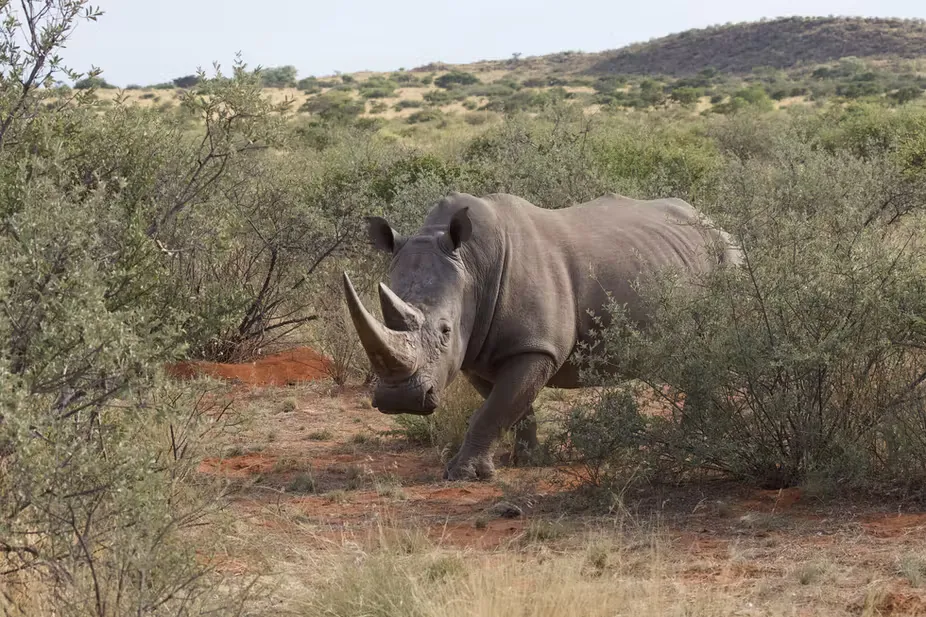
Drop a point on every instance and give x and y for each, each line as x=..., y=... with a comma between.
x=501, y=290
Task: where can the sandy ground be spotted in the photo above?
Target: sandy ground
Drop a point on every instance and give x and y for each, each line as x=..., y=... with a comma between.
x=319, y=470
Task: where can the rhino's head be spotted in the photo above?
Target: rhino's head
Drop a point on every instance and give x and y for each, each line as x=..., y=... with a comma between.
x=420, y=346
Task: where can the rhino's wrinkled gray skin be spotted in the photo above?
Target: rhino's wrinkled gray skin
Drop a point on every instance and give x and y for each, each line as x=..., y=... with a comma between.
x=500, y=289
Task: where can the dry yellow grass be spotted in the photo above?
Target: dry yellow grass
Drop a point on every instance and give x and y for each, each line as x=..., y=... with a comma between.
x=380, y=534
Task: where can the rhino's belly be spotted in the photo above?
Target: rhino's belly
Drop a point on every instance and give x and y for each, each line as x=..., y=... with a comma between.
x=568, y=377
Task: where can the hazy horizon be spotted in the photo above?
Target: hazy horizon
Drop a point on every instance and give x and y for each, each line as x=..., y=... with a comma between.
x=144, y=45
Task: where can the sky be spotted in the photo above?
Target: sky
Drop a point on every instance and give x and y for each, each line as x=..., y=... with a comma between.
x=150, y=41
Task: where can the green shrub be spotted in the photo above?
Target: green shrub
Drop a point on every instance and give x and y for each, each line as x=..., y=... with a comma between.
x=96, y=453
x=446, y=427
x=456, y=78
x=309, y=85
x=377, y=88
x=806, y=363
x=335, y=107
x=493, y=90
x=905, y=95
x=92, y=82
x=650, y=158
x=188, y=81
x=753, y=98
x=444, y=97
x=407, y=104
x=686, y=95
x=376, y=93
x=278, y=77
x=601, y=440
x=405, y=78
x=544, y=161
x=425, y=115
x=478, y=118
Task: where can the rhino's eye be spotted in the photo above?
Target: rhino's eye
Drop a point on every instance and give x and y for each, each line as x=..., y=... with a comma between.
x=445, y=333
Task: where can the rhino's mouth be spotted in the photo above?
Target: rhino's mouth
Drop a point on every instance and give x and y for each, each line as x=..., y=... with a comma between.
x=398, y=400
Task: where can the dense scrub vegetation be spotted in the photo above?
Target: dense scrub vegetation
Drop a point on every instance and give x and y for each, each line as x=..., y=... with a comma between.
x=780, y=43
x=215, y=228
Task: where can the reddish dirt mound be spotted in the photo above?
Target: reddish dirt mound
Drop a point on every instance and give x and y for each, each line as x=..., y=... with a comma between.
x=290, y=367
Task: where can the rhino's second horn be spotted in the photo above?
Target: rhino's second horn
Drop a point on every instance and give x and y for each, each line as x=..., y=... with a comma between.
x=397, y=313
x=391, y=352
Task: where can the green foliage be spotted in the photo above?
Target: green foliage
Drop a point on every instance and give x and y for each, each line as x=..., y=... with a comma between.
x=278, y=77
x=806, y=363
x=780, y=43
x=187, y=81
x=686, y=95
x=493, y=90
x=377, y=88
x=96, y=454
x=444, y=97
x=602, y=438
x=753, y=98
x=309, y=85
x=425, y=115
x=906, y=95
x=335, y=107
x=527, y=100
x=407, y=104
x=88, y=83
x=445, y=428
x=405, y=78
x=456, y=78
x=548, y=161
x=648, y=158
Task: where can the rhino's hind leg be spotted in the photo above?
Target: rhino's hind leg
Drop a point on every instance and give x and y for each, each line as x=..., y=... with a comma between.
x=518, y=384
x=525, y=439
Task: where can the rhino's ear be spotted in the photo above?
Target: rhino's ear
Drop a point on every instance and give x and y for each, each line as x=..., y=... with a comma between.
x=461, y=228
x=382, y=235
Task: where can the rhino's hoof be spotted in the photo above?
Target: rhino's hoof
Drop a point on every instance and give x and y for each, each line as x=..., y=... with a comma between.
x=477, y=468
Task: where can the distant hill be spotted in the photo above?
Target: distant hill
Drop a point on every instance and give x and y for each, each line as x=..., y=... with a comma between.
x=809, y=60
x=781, y=43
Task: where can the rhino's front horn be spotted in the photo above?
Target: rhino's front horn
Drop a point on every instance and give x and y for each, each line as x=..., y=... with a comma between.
x=397, y=313
x=392, y=353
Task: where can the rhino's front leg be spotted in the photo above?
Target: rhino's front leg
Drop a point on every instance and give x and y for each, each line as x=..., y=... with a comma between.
x=518, y=383
x=525, y=435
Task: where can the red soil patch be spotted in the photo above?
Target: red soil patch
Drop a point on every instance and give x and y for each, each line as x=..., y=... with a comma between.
x=466, y=535
x=895, y=525
x=897, y=603
x=237, y=466
x=287, y=368
x=773, y=501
